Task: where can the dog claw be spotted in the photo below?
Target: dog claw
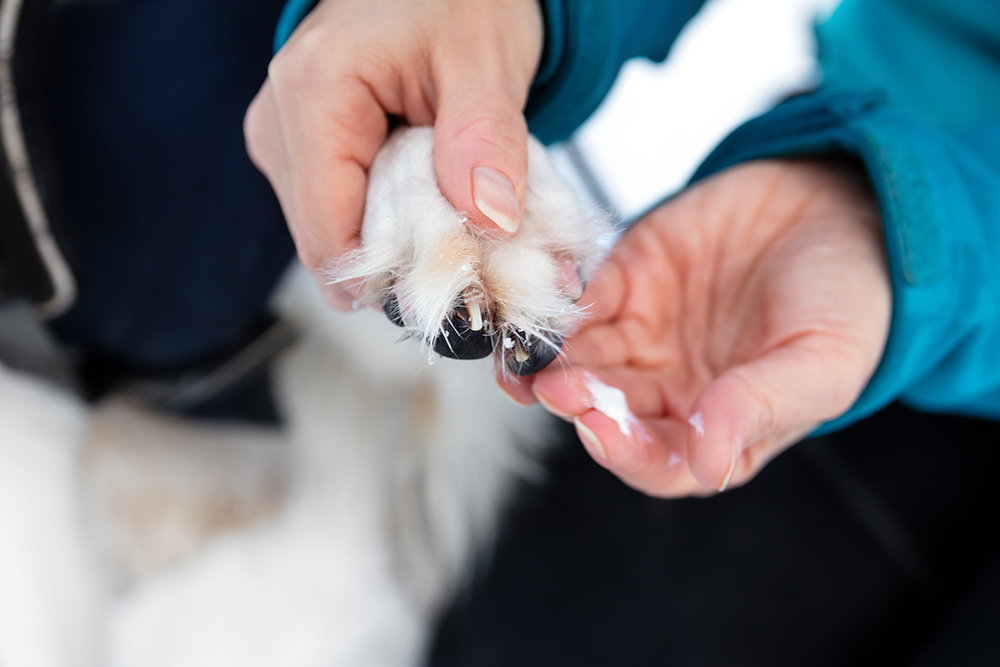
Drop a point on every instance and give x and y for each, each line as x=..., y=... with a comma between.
x=572, y=284
x=475, y=316
x=530, y=356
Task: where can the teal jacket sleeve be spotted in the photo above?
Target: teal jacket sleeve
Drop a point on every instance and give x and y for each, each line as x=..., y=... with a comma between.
x=912, y=89
x=586, y=43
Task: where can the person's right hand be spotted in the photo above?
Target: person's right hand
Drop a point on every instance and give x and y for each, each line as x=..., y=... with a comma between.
x=735, y=319
x=464, y=66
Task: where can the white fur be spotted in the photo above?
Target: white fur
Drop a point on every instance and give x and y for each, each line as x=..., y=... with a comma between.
x=51, y=597
x=425, y=253
x=333, y=543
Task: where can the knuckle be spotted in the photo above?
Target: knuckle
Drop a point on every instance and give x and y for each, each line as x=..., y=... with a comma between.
x=315, y=262
x=764, y=400
x=298, y=61
x=489, y=116
x=253, y=131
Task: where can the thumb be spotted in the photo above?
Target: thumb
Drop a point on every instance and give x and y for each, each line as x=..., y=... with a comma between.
x=481, y=155
x=751, y=413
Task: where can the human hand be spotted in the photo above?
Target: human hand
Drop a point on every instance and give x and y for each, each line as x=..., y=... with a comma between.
x=321, y=115
x=735, y=318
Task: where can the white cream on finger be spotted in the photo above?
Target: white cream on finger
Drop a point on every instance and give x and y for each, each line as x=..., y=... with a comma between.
x=611, y=402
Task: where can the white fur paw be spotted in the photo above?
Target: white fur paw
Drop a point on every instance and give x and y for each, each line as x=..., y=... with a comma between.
x=462, y=292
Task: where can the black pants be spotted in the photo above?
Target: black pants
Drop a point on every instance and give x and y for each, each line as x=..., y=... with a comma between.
x=179, y=239
x=876, y=545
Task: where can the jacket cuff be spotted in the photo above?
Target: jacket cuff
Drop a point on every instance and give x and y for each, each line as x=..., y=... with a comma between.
x=291, y=17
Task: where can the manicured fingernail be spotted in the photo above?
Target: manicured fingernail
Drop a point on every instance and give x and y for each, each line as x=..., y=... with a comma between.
x=495, y=197
x=737, y=446
x=590, y=441
x=698, y=421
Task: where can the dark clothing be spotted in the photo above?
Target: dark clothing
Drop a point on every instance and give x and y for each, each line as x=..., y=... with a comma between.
x=874, y=546
x=180, y=240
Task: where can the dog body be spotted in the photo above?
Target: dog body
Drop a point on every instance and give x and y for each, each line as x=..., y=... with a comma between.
x=129, y=538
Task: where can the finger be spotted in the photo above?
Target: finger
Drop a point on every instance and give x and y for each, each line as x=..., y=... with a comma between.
x=518, y=388
x=340, y=295
x=632, y=304
x=598, y=342
x=262, y=133
x=570, y=392
x=481, y=151
x=316, y=158
x=648, y=456
x=752, y=412
x=329, y=176
x=606, y=292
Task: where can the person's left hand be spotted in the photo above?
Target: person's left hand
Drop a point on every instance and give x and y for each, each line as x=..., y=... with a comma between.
x=323, y=113
x=736, y=318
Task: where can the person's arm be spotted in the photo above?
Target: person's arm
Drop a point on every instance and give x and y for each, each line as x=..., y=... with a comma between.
x=939, y=195
x=913, y=91
x=586, y=43
x=780, y=297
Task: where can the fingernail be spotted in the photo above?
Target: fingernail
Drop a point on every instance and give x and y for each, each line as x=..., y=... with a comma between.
x=495, y=197
x=570, y=280
x=590, y=441
x=698, y=421
x=737, y=446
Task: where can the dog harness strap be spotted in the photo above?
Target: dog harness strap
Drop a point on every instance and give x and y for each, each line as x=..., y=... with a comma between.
x=33, y=265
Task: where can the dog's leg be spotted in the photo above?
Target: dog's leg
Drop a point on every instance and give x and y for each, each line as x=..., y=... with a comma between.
x=465, y=294
x=445, y=445
x=51, y=586
x=403, y=466
x=315, y=587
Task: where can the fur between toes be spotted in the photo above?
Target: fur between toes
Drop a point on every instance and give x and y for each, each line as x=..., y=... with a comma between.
x=462, y=293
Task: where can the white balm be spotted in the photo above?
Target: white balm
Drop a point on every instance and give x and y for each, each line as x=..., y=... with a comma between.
x=610, y=401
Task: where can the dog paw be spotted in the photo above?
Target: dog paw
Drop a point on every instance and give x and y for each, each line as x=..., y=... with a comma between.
x=463, y=292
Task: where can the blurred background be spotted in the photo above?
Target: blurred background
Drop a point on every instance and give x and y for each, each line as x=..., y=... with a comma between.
x=734, y=60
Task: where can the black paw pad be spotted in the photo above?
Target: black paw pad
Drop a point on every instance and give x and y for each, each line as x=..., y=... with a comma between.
x=390, y=306
x=526, y=355
x=459, y=341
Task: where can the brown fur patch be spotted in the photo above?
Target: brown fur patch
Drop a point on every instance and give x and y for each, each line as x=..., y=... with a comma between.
x=162, y=487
